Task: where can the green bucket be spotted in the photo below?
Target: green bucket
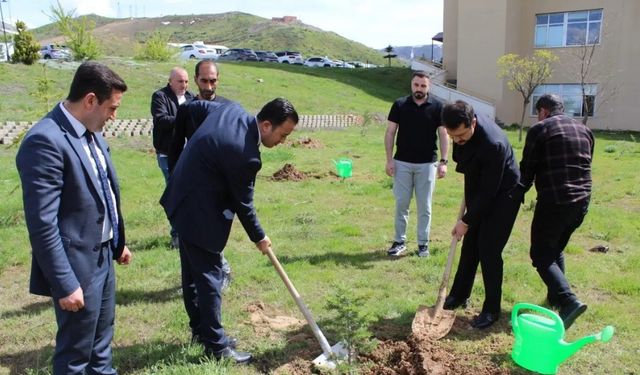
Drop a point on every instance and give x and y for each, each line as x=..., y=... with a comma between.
x=343, y=167
x=539, y=339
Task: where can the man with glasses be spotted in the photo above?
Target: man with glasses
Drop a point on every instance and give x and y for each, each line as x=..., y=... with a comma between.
x=415, y=119
x=484, y=155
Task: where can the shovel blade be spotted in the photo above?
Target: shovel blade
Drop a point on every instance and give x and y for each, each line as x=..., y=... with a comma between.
x=338, y=353
x=432, y=323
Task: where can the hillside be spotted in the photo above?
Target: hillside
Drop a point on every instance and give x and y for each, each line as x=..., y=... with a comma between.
x=314, y=91
x=122, y=37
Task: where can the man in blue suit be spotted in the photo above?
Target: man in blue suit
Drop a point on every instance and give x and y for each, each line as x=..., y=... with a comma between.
x=72, y=210
x=212, y=182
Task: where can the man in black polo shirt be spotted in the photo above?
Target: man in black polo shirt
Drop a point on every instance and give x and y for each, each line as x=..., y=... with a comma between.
x=416, y=121
x=557, y=155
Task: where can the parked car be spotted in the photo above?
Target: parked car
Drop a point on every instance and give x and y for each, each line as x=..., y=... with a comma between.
x=54, y=51
x=319, y=61
x=289, y=57
x=343, y=64
x=266, y=56
x=197, y=51
x=239, y=54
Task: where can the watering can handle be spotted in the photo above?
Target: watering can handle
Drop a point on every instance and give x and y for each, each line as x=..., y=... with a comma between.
x=536, y=308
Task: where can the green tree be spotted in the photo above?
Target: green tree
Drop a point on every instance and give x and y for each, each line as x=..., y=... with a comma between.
x=390, y=55
x=25, y=48
x=155, y=48
x=78, y=32
x=45, y=92
x=351, y=325
x=525, y=74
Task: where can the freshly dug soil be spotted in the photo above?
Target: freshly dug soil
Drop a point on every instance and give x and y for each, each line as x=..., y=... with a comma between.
x=289, y=173
x=307, y=143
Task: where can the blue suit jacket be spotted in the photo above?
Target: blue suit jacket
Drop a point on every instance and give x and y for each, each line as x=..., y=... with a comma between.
x=215, y=177
x=62, y=204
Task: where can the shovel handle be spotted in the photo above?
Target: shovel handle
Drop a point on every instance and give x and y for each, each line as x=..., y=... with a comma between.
x=442, y=292
x=324, y=344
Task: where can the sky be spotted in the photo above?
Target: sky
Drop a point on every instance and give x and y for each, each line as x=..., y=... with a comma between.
x=374, y=23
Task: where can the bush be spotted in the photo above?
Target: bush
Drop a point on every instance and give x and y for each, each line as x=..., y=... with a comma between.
x=155, y=48
x=25, y=48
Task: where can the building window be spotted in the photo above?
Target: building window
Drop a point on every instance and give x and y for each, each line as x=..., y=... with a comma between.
x=568, y=28
x=571, y=94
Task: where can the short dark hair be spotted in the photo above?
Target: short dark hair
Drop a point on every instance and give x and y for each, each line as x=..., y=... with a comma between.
x=97, y=78
x=206, y=61
x=550, y=102
x=277, y=112
x=419, y=73
x=453, y=114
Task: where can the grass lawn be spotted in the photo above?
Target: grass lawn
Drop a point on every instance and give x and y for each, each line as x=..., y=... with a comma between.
x=326, y=232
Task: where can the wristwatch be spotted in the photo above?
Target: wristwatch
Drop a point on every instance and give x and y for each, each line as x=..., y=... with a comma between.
x=444, y=161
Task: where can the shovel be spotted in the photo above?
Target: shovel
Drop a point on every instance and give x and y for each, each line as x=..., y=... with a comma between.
x=330, y=354
x=435, y=322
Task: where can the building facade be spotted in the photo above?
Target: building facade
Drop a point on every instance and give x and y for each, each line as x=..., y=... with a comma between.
x=477, y=33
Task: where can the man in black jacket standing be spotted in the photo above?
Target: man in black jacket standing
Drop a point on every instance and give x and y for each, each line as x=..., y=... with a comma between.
x=484, y=155
x=164, y=108
x=557, y=155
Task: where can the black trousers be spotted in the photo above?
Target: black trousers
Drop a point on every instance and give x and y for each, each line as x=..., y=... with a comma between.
x=483, y=244
x=551, y=229
x=202, y=277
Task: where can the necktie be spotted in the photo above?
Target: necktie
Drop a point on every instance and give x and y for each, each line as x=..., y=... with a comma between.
x=106, y=191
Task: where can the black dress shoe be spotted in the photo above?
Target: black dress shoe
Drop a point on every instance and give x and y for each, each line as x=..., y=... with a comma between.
x=452, y=303
x=228, y=353
x=232, y=342
x=484, y=320
x=570, y=312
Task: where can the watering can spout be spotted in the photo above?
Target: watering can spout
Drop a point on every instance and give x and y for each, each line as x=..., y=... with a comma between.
x=569, y=349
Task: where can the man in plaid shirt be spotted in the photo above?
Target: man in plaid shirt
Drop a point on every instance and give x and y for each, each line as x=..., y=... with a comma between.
x=557, y=155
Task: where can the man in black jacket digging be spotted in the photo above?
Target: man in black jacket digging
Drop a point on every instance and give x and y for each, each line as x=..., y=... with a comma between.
x=484, y=155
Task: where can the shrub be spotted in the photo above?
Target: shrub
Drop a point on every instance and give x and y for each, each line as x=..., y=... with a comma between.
x=25, y=48
x=155, y=48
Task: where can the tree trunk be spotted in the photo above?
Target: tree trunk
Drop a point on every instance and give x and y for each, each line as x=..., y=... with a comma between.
x=524, y=110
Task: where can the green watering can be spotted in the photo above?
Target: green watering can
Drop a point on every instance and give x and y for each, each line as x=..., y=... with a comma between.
x=343, y=167
x=540, y=344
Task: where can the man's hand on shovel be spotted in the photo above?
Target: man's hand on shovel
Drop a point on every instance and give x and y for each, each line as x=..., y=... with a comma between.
x=264, y=245
x=459, y=230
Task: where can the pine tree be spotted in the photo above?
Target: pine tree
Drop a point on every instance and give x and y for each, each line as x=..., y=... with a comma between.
x=25, y=48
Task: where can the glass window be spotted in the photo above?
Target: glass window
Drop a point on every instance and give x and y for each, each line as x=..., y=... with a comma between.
x=542, y=19
x=576, y=33
x=571, y=94
x=568, y=28
x=594, y=33
x=556, y=35
x=595, y=15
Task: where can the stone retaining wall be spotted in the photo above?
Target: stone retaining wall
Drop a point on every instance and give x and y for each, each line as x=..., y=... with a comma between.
x=10, y=130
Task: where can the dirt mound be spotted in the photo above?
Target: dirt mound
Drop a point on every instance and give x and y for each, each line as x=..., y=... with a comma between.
x=420, y=357
x=289, y=173
x=264, y=322
x=307, y=143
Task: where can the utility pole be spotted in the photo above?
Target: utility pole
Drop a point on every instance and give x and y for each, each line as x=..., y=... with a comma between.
x=4, y=30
